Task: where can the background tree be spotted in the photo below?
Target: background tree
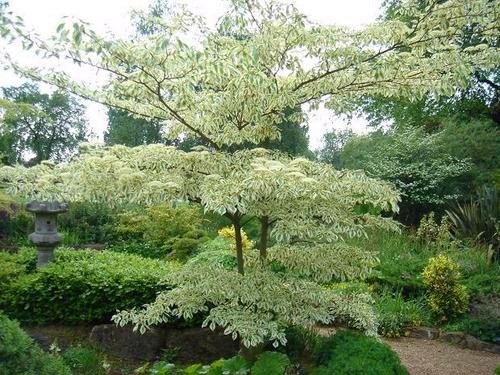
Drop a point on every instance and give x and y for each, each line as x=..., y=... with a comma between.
x=333, y=143
x=463, y=125
x=38, y=126
x=230, y=91
x=479, y=99
x=418, y=164
x=124, y=129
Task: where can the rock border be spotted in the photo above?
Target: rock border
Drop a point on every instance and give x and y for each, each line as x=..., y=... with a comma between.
x=460, y=339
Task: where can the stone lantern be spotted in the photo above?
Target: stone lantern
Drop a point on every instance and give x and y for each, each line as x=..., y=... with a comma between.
x=45, y=237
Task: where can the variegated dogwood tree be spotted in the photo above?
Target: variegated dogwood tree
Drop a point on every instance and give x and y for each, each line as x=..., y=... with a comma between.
x=231, y=87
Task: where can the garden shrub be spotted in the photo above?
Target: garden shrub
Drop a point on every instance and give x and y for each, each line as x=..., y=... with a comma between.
x=87, y=223
x=447, y=299
x=20, y=355
x=83, y=286
x=15, y=222
x=478, y=274
x=85, y=360
x=270, y=363
x=143, y=249
x=236, y=366
x=301, y=341
x=166, y=230
x=394, y=313
x=351, y=353
x=430, y=232
x=10, y=269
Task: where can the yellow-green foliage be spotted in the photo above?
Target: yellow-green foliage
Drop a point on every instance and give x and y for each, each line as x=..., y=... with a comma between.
x=447, y=298
x=228, y=233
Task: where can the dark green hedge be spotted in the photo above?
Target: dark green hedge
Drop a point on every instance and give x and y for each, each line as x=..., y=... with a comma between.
x=351, y=353
x=21, y=356
x=80, y=286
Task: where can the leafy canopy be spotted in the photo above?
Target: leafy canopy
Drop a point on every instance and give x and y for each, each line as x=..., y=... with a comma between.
x=233, y=87
x=40, y=126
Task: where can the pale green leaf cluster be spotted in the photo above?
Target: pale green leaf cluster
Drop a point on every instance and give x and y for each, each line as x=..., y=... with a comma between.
x=309, y=204
x=324, y=262
x=257, y=306
x=305, y=200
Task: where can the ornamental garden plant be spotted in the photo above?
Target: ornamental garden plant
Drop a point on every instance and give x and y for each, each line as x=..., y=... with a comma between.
x=229, y=89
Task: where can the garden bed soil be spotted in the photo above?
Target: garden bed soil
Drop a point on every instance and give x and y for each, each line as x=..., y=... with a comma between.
x=432, y=357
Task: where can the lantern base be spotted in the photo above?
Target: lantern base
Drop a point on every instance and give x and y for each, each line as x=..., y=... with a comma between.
x=45, y=256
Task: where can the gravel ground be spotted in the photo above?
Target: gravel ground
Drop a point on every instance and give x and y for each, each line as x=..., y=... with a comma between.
x=430, y=357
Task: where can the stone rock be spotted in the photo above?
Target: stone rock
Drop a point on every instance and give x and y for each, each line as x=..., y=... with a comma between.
x=60, y=335
x=425, y=333
x=455, y=338
x=124, y=342
x=200, y=344
x=492, y=348
x=466, y=341
x=470, y=342
x=45, y=341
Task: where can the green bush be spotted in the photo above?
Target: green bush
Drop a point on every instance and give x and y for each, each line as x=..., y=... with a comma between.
x=236, y=365
x=21, y=356
x=144, y=249
x=479, y=275
x=82, y=286
x=301, y=341
x=431, y=232
x=394, y=313
x=350, y=353
x=84, y=360
x=270, y=363
x=478, y=219
x=88, y=223
x=10, y=269
x=167, y=231
x=15, y=222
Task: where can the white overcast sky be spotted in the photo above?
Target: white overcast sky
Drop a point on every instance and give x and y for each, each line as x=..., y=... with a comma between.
x=114, y=16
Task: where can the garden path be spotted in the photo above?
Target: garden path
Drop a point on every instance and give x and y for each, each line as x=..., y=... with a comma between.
x=432, y=357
